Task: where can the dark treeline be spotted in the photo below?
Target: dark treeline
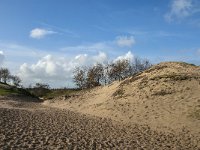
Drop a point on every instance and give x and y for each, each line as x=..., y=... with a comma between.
x=102, y=74
x=6, y=77
x=39, y=89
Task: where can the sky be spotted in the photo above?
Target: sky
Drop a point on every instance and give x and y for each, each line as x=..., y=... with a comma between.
x=43, y=41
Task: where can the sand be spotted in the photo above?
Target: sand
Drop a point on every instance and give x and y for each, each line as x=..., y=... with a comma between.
x=165, y=97
x=31, y=125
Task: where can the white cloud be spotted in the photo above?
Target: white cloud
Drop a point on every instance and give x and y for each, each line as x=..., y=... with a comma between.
x=125, y=41
x=39, y=33
x=100, y=58
x=128, y=56
x=179, y=9
x=56, y=70
x=2, y=57
x=56, y=67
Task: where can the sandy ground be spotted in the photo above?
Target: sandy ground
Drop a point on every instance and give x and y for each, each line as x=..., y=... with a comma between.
x=30, y=125
x=165, y=97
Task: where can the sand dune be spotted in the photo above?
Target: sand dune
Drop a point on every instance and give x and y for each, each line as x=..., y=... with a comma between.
x=165, y=97
x=34, y=126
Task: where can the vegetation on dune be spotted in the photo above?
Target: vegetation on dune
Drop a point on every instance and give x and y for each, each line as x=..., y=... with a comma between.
x=8, y=90
x=101, y=74
x=44, y=91
x=176, y=77
x=6, y=77
x=118, y=93
x=9, y=84
x=184, y=64
x=5, y=92
x=39, y=89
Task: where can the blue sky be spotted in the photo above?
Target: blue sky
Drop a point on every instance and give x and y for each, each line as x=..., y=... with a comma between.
x=42, y=41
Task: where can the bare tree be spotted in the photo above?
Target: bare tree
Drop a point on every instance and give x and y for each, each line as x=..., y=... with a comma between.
x=119, y=70
x=16, y=80
x=140, y=65
x=106, y=73
x=137, y=65
x=95, y=75
x=146, y=64
x=42, y=85
x=5, y=75
x=99, y=73
x=91, y=78
x=80, y=77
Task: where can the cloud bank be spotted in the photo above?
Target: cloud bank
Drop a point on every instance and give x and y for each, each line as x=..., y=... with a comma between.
x=58, y=71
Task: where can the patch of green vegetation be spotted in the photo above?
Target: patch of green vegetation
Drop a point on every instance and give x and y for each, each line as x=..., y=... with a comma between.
x=53, y=93
x=13, y=91
x=39, y=92
x=5, y=92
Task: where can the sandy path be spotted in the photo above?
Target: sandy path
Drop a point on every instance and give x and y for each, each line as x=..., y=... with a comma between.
x=32, y=126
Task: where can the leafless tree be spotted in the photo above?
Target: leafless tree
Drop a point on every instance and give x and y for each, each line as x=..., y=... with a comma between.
x=146, y=64
x=119, y=70
x=80, y=77
x=95, y=75
x=99, y=72
x=5, y=75
x=42, y=85
x=16, y=80
x=91, y=78
x=140, y=65
x=103, y=74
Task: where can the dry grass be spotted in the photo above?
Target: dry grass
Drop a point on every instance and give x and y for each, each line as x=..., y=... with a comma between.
x=175, y=77
x=118, y=93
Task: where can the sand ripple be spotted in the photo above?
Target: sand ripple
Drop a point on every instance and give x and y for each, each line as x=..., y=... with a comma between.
x=51, y=128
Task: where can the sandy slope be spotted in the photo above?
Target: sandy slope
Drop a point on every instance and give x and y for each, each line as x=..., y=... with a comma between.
x=165, y=97
x=30, y=125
